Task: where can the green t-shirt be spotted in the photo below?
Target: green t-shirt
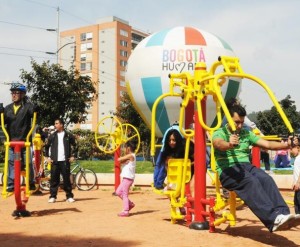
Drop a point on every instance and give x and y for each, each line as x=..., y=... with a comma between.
x=239, y=154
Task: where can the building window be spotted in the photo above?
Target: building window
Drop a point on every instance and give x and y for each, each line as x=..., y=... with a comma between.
x=123, y=43
x=86, y=36
x=123, y=53
x=83, y=37
x=88, y=66
x=122, y=73
x=89, y=36
x=86, y=46
x=82, y=66
x=82, y=57
x=89, y=46
x=122, y=84
x=83, y=47
x=123, y=33
x=123, y=63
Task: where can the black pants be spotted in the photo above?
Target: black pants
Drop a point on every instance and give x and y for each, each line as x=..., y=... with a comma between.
x=297, y=201
x=257, y=189
x=265, y=158
x=63, y=168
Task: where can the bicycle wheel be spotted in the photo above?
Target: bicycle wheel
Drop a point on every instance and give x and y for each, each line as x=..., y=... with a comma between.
x=85, y=179
x=45, y=181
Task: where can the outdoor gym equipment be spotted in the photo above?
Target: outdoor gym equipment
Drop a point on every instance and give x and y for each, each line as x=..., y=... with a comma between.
x=111, y=134
x=21, y=193
x=196, y=89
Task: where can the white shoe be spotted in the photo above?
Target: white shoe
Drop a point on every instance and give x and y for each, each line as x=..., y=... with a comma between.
x=52, y=200
x=282, y=222
x=70, y=200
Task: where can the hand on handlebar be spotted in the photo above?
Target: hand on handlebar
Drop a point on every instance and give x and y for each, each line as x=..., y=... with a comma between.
x=234, y=140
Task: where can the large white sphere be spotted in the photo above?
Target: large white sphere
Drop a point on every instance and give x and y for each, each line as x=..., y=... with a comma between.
x=172, y=50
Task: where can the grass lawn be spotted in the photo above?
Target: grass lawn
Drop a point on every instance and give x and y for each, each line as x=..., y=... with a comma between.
x=142, y=167
x=100, y=166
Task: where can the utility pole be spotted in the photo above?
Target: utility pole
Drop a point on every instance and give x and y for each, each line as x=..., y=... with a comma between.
x=57, y=30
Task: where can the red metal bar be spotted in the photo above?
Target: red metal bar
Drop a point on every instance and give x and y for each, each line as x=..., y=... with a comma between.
x=117, y=168
x=256, y=156
x=18, y=145
x=200, y=165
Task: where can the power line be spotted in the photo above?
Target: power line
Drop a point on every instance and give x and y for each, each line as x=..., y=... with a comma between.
x=20, y=55
x=23, y=25
x=19, y=49
x=39, y=3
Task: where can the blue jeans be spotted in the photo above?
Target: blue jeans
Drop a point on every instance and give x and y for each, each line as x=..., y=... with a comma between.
x=281, y=161
x=160, y=172
x=11, y=167
x=258, y=191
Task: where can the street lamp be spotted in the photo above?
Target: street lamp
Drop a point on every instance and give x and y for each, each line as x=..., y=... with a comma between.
x=56, y=53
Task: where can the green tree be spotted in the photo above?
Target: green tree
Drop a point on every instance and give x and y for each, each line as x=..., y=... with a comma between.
x=270, y=122
x=128, y=114
x=59, y=93
x=87, y=148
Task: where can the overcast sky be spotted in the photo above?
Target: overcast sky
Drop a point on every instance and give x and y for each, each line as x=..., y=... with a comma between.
x=264, y=34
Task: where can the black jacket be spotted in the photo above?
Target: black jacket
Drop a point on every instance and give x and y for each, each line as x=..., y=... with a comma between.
x=70, y=146
x=18, y=125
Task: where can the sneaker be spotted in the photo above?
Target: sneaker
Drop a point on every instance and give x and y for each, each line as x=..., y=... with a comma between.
x=51, y=200
x=32, y=187
x=131, y=206
x=10, y=189
x=123, y=214
x=282, y=222
x=70, y=200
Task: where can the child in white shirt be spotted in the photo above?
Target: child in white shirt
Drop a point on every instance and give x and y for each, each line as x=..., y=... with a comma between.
x=128, y=174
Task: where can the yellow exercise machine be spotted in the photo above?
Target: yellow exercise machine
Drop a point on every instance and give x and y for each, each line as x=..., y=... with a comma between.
x=196, y=89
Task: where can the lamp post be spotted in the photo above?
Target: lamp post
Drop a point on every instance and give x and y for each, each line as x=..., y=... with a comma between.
x=57, y=33
x=56, y=53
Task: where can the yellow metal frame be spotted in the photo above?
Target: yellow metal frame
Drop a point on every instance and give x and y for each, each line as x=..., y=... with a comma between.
x=116, y=135
x=5, y=194
x=207, y=83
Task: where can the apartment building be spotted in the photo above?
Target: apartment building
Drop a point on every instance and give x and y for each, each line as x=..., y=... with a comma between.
x=101, y=51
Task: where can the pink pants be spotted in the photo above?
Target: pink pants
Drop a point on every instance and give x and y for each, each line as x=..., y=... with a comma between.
x=123, y=191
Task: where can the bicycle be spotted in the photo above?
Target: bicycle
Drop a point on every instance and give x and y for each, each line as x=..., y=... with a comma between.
x=83, y=178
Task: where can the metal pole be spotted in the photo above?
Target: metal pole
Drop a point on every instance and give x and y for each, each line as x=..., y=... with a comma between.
x=57, y=34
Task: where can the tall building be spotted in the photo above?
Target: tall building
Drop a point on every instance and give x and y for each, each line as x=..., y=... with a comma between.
x=101, y=51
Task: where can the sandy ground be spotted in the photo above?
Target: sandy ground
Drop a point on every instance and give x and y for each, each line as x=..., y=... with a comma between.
x=92, y=221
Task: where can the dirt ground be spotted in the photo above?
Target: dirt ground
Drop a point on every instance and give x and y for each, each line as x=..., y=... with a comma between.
x=92, y=221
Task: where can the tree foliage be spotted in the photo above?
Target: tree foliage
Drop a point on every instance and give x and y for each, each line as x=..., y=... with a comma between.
x=59, y=93
x=87, y=148
x=128, y=114
x=270, y=122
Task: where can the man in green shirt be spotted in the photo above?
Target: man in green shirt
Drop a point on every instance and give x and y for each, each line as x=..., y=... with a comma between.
x=255, y=187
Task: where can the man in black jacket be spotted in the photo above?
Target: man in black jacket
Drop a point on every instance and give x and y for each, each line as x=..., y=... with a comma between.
x=60, y=150
x=17, y=118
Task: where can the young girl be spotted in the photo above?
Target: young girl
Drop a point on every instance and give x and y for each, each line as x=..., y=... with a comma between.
x=128, y=174
x=296, y=178
x=173, y=147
